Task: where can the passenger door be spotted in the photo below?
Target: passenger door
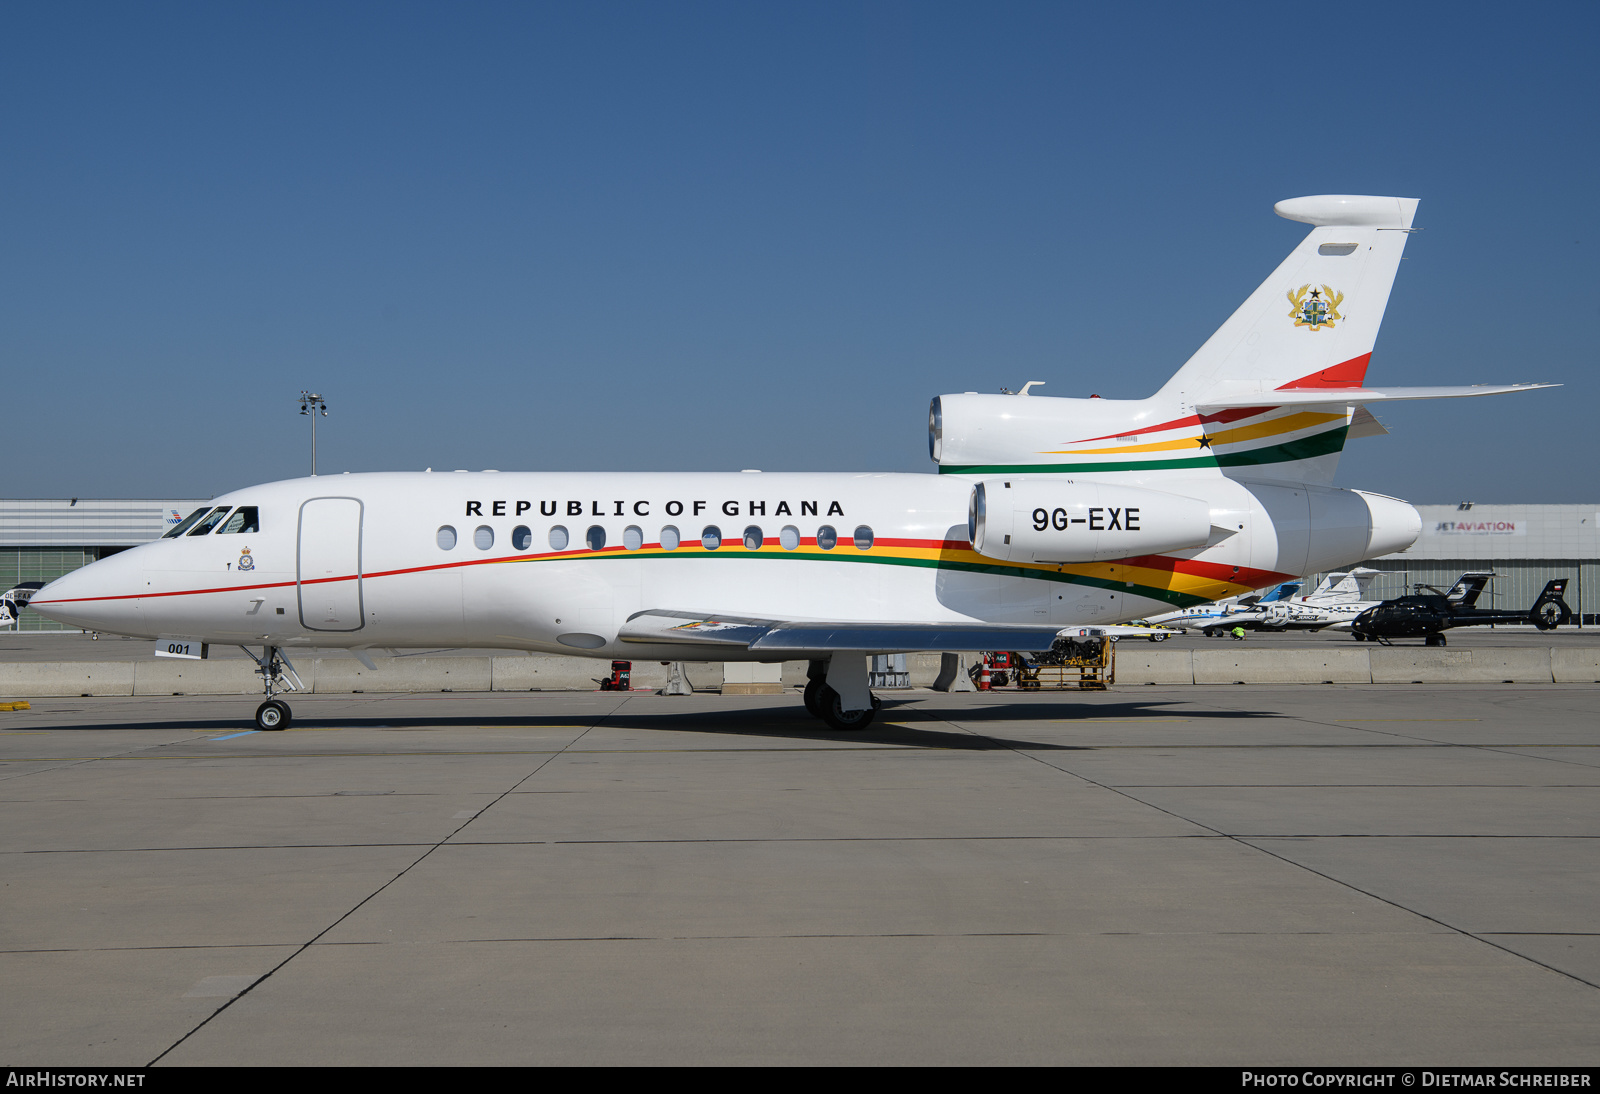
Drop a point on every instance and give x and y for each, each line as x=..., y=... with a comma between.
x=329, y=560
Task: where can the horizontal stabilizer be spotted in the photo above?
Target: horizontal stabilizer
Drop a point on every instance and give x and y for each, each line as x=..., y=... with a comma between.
x=1355, y=396
x=780, y=636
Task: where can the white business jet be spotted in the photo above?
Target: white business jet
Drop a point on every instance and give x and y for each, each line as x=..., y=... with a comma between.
x=1208, y=617
x=1046, y=513
x=1334, y=604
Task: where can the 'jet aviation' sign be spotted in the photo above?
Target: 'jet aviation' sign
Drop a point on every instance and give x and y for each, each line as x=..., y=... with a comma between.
x=1480, y=528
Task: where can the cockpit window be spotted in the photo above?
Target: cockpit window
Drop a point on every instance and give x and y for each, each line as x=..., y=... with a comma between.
x=244, y=520
x=188, y=523
x=210, y=522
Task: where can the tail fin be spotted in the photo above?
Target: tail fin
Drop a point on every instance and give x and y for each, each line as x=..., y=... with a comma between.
x=1550, y=610
x=1282, y=592
x=1314, y=321
x=1346, y=587
x=1467, y=587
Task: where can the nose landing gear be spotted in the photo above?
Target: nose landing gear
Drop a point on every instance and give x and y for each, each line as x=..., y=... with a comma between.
x=276, y=670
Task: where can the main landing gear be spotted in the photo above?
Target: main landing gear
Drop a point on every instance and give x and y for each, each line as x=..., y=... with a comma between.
x=823, y=702
x=276, y=671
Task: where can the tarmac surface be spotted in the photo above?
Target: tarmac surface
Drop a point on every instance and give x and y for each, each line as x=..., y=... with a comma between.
x=1357, y=875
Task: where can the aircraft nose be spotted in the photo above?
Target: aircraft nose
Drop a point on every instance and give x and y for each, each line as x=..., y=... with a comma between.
x=102, y=596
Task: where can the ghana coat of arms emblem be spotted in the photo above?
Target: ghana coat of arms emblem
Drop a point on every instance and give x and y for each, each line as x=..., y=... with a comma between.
x=1315, y=308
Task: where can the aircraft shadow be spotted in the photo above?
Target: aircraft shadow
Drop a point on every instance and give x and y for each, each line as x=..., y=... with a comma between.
x=787, y=722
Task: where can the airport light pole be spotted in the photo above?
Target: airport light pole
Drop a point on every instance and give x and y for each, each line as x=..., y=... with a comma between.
x=311, y=405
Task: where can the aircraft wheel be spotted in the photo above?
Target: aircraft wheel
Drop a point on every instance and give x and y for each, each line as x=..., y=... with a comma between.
x=274, y=714
x=1433, y=640
x=836, y=716
x=813, y=697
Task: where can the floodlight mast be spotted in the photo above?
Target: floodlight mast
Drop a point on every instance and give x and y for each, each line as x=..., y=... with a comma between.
x=311, y=405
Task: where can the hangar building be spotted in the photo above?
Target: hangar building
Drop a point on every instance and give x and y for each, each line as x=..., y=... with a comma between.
x=1525, y=545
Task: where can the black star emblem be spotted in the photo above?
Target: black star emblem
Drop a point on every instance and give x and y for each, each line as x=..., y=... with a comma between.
x=1205, y=441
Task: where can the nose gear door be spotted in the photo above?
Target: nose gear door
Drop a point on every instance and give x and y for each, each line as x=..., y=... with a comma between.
x=329, y=562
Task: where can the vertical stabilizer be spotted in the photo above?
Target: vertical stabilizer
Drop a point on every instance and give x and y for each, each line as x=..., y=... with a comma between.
x=1314, y=321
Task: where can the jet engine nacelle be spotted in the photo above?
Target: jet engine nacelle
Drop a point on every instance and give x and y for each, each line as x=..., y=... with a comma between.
x=1056, y=520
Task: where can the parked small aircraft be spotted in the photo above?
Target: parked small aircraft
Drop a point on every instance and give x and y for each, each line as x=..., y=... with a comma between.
x=1337, y=599
x=1429, y=615
x=1208, y=618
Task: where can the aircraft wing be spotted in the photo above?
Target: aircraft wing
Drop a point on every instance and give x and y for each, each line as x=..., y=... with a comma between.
x=805, y=636
x=1352, y=396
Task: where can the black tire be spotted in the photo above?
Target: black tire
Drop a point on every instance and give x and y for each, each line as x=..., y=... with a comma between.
x=834, y=714
x=273, y=715
x=1433, y=640
x=813, y=697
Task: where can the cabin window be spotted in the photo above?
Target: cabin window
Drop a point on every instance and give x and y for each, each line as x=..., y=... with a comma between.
x=789, y=537
x=188, y=523
x=210, y=522
x=595, y=537
x=669, y=538
x=558, y=538
x=483, y=537
x=633, y=537
x=753, y=538
x=711, y=538
x=827, y=538
x=863, y=538
x=446, y=537
x=522, y=537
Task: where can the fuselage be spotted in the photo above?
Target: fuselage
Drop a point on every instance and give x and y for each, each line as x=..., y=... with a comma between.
x=558, y=562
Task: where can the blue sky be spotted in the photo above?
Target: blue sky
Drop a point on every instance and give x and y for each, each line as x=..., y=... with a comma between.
x=716, y=236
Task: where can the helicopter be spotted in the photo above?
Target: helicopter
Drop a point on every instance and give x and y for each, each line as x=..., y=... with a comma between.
x=1429, y=615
